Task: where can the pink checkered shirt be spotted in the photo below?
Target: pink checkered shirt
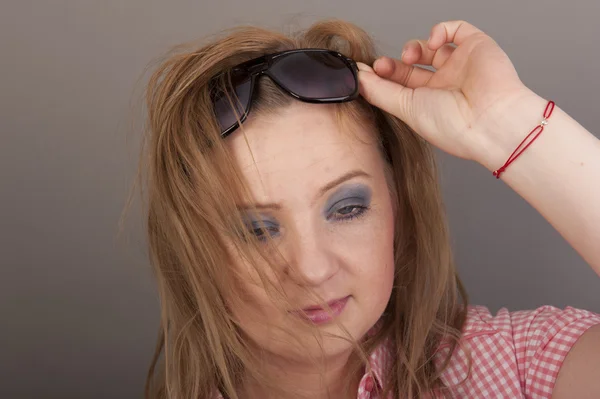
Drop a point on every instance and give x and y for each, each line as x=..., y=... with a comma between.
x=514, y=354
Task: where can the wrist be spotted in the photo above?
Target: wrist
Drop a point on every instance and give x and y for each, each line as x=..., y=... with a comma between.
x=507, y=125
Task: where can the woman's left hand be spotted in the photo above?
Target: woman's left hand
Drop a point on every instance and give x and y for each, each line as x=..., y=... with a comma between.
x=453, y=107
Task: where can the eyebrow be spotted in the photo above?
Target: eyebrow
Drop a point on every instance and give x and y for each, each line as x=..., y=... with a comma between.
x=334, y=183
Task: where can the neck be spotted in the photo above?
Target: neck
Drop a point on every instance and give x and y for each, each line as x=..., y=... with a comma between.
x=305, y=380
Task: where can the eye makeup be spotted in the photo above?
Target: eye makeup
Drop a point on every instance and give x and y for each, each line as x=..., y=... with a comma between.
x=262, y=228
x=348, y=201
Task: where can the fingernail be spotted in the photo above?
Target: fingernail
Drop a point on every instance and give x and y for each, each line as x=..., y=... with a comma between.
x=364, y=67
x=402, y=55
x=377, y=62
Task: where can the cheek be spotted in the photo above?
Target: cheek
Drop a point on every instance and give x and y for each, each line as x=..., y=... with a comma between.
x=251, y=303
x=375, y=261
x=265, y=323
x=253, y=310
x=247, y=292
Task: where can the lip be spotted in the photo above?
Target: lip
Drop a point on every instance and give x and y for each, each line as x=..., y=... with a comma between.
x=318, y=315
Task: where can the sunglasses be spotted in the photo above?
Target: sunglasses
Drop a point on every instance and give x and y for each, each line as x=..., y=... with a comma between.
x=309, y=75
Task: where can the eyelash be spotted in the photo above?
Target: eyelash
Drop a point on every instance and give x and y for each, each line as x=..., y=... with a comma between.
x=361, y=210
x=263, y=232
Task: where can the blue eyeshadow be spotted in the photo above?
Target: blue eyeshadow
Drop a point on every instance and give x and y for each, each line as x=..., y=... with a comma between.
x=351, y=194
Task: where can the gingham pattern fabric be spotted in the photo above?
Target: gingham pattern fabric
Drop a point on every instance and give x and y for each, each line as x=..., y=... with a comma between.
x=514, y=354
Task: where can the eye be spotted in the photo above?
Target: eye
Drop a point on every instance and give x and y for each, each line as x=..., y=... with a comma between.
x=262, y=230
x=349, y=212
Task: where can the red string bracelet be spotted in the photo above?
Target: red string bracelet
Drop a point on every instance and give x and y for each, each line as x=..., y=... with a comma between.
x=539, y=129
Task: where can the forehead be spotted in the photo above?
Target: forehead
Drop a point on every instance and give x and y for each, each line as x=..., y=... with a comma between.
x=293, y=152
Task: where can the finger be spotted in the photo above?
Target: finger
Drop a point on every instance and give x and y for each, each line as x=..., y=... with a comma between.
x=385, y=94
x=417, y=52
x=407, y=75
x=451, y=32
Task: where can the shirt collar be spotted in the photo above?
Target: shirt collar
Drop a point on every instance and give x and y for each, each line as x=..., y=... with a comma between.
x=379, y=363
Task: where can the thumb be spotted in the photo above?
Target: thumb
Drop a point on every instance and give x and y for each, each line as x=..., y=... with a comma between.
x=390, y=96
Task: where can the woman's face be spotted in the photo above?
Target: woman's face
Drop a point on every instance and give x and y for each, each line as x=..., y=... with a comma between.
x=322, y=195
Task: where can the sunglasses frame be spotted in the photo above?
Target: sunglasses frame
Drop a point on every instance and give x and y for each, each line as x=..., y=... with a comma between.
x=260, y=66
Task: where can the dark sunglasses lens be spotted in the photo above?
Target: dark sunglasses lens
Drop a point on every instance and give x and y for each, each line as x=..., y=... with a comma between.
x=315, y=75
x=230, y=108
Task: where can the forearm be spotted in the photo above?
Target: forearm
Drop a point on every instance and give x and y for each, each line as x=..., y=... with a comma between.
x=559, y=174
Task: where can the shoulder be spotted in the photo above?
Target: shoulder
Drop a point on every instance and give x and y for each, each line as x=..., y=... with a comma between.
x=513, y=353
x=527, y=324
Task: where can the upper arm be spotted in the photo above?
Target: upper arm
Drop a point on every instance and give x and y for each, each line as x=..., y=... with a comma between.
x=543, y=339
x=579, y=375
x=542, y=353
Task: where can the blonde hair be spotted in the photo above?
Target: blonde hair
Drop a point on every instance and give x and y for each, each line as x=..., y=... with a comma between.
x=190, y=210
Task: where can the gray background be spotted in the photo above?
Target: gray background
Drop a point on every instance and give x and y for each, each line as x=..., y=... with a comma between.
x=78, y=307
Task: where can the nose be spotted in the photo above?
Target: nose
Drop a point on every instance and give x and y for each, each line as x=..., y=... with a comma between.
x=313, y=262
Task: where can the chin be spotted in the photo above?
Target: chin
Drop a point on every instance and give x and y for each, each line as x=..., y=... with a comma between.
x=332, y=340
x=328, y=346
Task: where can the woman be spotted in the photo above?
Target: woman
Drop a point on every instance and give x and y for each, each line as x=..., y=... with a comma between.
x=298, y=235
